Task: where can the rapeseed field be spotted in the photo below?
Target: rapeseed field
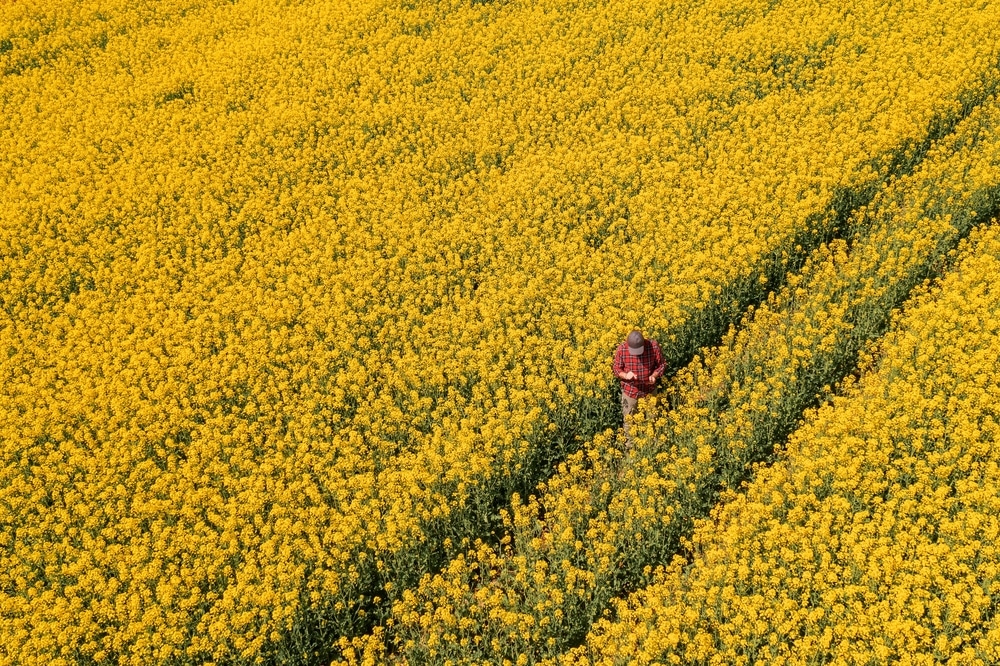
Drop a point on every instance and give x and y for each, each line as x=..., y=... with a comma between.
x=872, y=538
x=307, y=311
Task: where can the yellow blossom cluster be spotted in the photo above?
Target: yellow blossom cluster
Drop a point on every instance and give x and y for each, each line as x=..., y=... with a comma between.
x=873, y=538
x=600, y=524
x=294, y=292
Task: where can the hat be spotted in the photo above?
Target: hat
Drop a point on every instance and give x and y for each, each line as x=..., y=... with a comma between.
x=636, y=343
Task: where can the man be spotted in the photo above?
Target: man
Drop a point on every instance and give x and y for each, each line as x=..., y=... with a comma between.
x=638, y=364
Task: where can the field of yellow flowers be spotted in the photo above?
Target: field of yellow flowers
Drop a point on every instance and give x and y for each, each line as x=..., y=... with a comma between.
x=308, y=306
x=873, y=538
x=601, y=523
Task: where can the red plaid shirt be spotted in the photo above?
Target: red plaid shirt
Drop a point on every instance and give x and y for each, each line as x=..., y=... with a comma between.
x=643, y=365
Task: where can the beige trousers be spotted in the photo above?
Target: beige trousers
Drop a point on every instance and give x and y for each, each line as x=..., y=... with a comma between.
x=628, y=406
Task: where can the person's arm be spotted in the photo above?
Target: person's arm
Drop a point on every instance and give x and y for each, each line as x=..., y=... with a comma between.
x=661, y=365
x=619, y=365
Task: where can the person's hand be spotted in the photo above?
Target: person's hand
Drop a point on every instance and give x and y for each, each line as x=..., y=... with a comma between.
x=629, y=375
x=653, y=377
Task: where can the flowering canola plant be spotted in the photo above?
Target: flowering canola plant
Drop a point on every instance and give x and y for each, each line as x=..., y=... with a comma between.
x=294, y=293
